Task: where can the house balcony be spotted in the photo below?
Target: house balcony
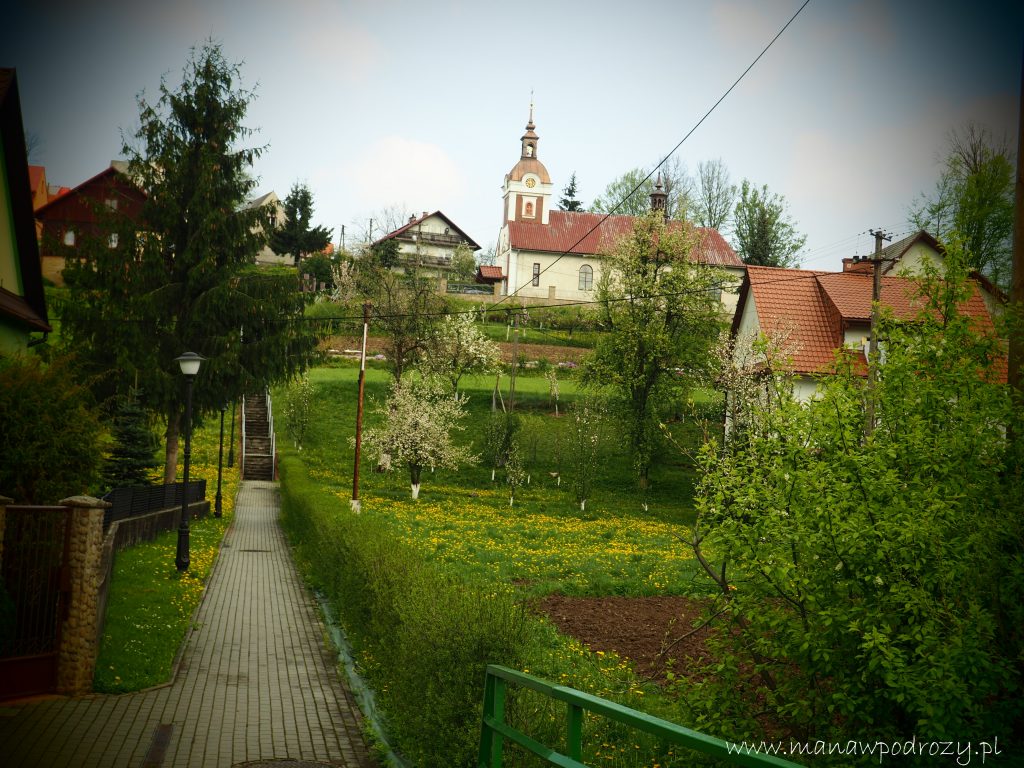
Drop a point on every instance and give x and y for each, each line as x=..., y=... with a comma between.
x=432, y=238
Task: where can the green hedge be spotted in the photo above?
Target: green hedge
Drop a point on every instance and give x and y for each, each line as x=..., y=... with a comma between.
x=423, y=636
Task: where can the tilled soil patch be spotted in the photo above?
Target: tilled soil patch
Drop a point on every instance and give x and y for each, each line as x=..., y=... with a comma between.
x=645, y=630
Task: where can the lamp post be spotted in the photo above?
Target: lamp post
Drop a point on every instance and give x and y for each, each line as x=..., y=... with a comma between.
x=231, y=442
x=189, y=364
x=220, y=462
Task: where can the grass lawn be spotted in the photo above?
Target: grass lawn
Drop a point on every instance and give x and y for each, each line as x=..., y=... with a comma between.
x=150, y=607
x=543, y=544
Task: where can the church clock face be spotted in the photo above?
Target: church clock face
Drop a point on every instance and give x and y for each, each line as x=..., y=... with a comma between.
x=530, y=183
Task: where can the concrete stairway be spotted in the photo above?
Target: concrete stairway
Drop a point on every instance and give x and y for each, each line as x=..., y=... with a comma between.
x=259, y=458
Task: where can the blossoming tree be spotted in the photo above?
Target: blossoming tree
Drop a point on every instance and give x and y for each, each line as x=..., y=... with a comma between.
x=419, y=418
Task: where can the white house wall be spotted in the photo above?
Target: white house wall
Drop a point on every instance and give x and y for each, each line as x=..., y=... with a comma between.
x=561, y=275
x=912, y=262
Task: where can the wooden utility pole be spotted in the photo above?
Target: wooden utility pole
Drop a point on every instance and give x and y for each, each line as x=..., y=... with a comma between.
x=359, y=409
x=876, y=297
x=515, y=365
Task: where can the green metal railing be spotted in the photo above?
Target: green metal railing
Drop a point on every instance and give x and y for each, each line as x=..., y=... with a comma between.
x=495, y=730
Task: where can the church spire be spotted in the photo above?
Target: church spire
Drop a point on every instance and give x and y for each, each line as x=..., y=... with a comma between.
x=659, y=197
x=530, y=138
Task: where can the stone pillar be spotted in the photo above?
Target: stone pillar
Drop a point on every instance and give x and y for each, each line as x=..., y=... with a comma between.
x=4, y=501
x=79, y=637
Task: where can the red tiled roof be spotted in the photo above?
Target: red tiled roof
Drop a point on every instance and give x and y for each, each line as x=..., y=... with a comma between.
x=814, y=308
x=587, y=234
x=36, y=174
x=491, y=273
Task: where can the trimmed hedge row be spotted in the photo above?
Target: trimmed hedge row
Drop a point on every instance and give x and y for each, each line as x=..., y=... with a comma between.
x=423, y=636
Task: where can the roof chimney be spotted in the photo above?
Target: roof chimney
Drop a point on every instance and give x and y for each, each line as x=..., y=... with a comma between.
x=425, y=214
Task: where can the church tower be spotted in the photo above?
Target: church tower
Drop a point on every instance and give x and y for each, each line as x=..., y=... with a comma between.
x=528, y=189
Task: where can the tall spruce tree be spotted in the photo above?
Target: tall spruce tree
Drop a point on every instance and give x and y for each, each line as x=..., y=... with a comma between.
x=295, y=237
x=569, y=201
x=133, y=454
x=179, y=276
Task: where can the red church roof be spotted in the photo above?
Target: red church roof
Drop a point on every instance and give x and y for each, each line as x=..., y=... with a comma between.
x=588, y=234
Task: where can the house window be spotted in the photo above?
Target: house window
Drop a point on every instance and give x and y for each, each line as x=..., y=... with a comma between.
x=111, y=203
x=112, y=240
x=69, y=237
x=536, y=275
x=586, y=278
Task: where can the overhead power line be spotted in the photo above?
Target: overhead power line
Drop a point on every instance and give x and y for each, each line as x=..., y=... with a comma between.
x=646, y=178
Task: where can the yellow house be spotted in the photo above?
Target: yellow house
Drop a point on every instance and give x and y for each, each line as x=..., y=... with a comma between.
x=22, y=302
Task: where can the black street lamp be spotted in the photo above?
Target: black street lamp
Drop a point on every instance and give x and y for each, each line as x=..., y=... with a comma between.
x=189, y=363
x=220, y=462
x=231, y=445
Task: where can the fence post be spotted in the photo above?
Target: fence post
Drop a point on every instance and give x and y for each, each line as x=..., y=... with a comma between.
x=574, y=732
x=4, y=501
x=491, y=742
x=79, y=638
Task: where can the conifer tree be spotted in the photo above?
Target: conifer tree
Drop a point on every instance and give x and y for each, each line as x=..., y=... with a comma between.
x=569, y=201
x=295, y=237
x=134, y=452
x=178, y=276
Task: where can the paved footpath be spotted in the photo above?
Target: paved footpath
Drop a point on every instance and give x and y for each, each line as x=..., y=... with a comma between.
x=256, y=681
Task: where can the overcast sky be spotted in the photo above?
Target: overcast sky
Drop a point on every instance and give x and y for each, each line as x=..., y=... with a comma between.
x=376, y=103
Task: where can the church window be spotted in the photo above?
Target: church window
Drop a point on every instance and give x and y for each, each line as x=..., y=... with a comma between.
x=536, y=275
x=586, y=278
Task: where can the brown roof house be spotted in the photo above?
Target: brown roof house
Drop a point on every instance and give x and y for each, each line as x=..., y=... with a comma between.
x=817, y=313
x=555, y=255
x=68, y=219
x=429, y=242
x=22, y=302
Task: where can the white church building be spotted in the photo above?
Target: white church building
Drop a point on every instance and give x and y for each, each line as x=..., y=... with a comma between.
x=554, y=255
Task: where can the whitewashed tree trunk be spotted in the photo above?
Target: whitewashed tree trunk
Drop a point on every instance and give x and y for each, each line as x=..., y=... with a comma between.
x=583, y=506
x=415, y=490
x=493, y=470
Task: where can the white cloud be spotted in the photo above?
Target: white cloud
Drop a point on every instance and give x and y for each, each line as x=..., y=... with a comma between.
x=422, y=174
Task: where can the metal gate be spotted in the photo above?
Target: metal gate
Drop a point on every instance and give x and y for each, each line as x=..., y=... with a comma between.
x=34, y=597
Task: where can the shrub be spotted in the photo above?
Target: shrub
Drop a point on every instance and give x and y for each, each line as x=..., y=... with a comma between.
x=424, y=636
x=874, y=576
x=49, y=423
